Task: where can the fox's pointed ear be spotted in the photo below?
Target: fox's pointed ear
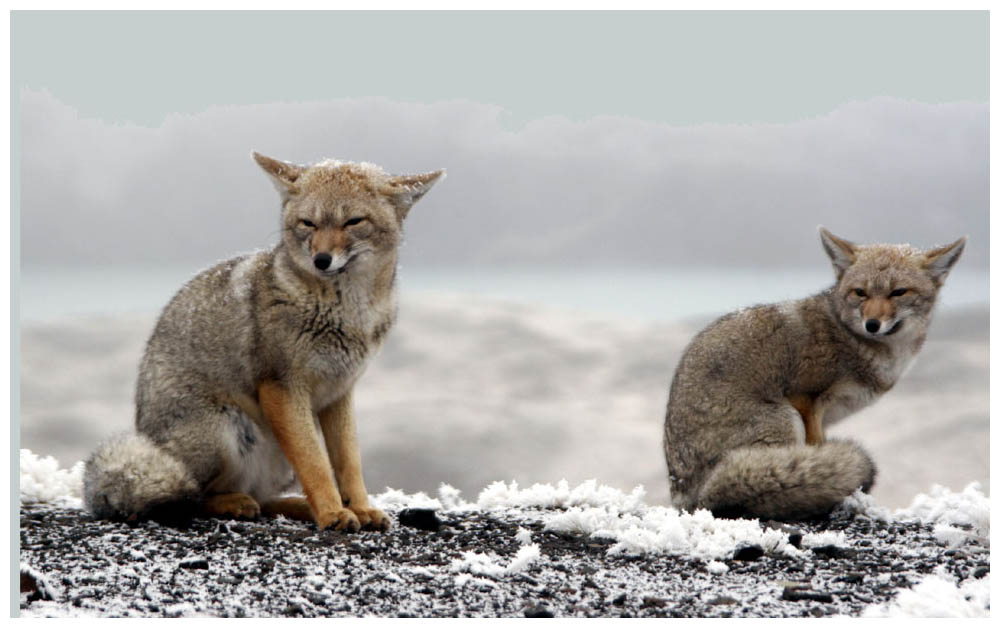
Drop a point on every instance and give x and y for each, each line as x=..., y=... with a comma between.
x=405, y=190
x=939, y=261
x=282, y=174
x=842, y=253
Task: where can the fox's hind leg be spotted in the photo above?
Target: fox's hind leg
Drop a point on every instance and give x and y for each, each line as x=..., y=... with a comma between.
x=292, y=507
x=234, y=505
x=812, y=418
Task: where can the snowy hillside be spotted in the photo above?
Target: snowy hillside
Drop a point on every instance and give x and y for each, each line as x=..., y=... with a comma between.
x=543, y=550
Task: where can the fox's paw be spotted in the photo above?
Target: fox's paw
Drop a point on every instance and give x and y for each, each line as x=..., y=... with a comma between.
x=371, y=518
x=343, y=520
x=235, y=505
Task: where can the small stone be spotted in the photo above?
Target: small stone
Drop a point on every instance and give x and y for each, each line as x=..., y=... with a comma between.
x=620, y=600
x=748, y=552
x=653, y=602
x=980, y=572
x=723, y=599
x=798, y=594
x=833, y=551
x=294, y=609
x=35, y=586
x=420, y=518
x=194, y=563
x=853, y=577
x=537, y=611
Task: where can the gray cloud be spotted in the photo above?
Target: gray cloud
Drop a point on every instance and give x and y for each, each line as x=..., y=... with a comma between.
x=607, y=191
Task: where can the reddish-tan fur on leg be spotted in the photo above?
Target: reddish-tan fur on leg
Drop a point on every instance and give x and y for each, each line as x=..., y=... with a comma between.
x=811, y=418
x=291, y=421
x=235, y=505
x=337, y=422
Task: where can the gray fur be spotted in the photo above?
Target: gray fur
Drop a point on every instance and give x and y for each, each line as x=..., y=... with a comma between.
x=129, y=475
x=734, y=438
x=271, y=315
x=791, y=482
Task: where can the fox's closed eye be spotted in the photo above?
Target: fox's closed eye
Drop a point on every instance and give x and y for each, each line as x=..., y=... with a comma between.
x=353, y=221
x=860, y=292
x=308, y=223
x=898, y=292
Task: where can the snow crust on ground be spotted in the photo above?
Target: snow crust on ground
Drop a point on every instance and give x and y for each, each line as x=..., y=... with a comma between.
x=638, y=529
x=489, y=565
x=605, y=512
x=938, y=595
x=42, y=481
x=948, y=511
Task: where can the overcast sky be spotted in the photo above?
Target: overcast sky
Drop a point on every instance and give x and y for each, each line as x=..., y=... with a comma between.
x=569, y=139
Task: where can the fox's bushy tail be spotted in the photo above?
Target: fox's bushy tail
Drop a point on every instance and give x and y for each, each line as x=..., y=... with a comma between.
x=130, y=478
x=785, y=483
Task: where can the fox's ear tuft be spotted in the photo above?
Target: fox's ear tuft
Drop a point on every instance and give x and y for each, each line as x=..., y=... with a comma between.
x=282, y=174
x=405, y=190
x=938, y=261
x=842, y=253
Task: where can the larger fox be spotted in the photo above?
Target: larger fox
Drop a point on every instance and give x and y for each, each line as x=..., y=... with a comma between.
x=246, y=381
x=754, y=391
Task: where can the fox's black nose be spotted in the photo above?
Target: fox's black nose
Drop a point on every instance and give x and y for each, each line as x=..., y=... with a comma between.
x=322, y=261
x=872, y=325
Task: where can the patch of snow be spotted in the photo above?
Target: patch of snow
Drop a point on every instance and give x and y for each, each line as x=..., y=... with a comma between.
x=937, y=595
x=525, y=557
x=450, y=497
x=942, y=506
x=828, y=537
x=394, y=499
x=667, y=530
x=43, y=481
x=970, y=508
x=523, y=536
x=716, y=568
x=950, y=535
x=487, y=565
x=501, y=495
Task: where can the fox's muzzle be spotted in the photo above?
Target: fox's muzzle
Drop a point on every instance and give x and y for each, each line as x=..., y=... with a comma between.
x=322, y=261
x=873, y=325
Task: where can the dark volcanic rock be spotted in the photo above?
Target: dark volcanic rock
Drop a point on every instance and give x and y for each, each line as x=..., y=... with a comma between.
x=538, y=611
x=420, y=518
x=832, y=551
x=748, y=552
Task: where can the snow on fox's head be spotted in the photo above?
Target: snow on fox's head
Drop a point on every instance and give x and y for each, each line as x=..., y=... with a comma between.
x=342, y=215
x=880, y=287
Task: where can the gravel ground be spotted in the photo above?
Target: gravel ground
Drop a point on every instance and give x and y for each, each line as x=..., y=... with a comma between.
x=74, y=565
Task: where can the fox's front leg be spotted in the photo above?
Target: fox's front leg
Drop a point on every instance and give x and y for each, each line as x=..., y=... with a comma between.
x=290, y=416
x=337, y=423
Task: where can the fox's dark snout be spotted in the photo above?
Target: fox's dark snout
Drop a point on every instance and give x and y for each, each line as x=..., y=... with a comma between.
x=322, y=260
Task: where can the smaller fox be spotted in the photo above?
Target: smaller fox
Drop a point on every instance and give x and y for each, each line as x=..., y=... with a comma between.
x=245, y=384
x=752, y=395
